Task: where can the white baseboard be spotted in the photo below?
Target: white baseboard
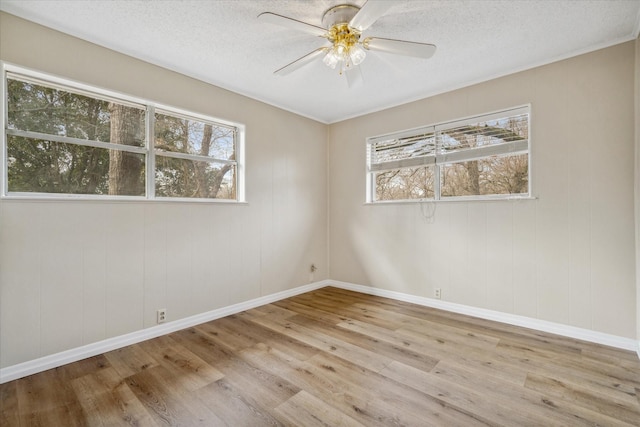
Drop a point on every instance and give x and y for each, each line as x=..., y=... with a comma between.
x=510, y=319
x=20, y=370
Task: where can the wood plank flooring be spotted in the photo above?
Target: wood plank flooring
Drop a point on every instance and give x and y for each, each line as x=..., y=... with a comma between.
x=338, y=358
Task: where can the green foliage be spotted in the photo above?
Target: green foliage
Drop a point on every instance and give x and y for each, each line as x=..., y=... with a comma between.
x=51, y=167
x=39, y=163
x=189, y=178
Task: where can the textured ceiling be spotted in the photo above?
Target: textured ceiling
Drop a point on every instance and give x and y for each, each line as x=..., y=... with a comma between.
x=222, y=42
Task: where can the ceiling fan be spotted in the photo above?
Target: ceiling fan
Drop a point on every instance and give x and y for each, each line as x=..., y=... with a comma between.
x=343, y=28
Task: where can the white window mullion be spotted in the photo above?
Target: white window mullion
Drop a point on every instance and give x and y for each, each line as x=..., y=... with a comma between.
x=436, y=182
x=436, y=173
x=76, y=141
x=405, y=163
x=194, y=157
x=151, y=158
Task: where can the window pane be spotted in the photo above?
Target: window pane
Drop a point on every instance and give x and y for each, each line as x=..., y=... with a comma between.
x=41, y=166
x=405, y=184
x=37, y=108
x=404, y=148
x=193, y=179
x=180, y=135
x=490, y=132
x=493, y=175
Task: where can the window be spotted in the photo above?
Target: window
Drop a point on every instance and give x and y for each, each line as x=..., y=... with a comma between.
x=484, y=157
x=68, y=140
x=194, y=158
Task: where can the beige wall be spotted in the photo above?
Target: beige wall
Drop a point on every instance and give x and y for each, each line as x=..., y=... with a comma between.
x=73, y=273
x=637, y=184
x=566, y=257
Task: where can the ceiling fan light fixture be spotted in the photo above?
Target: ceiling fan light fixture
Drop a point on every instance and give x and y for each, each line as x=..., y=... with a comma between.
x=345, y=50
x=342, y=27
x=340, y=50
x=357, y=54
x=330, y=59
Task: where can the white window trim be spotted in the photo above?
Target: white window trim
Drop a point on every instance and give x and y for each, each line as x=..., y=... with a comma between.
x=509, y=148
x=37, y=77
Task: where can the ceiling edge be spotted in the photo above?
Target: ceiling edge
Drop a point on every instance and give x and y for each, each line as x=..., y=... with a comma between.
x=493, y=77
x=102, y=44
x=425, y=95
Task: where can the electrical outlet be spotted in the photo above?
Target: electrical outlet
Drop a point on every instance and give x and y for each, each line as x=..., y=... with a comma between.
x=162, y=315
x=438, y=293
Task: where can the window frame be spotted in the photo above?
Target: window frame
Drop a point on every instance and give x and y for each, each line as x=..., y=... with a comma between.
x=148, y=150
x=177, y=113
x=438, y=160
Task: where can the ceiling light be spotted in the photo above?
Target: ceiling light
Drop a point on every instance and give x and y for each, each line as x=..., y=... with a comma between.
x=330, y=59
x=342, y=26
x=346, y=49
x=357, y=54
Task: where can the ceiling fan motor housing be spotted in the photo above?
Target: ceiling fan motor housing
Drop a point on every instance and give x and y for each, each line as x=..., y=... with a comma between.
x=345, y=50
x=340, y=14
x=342, y=26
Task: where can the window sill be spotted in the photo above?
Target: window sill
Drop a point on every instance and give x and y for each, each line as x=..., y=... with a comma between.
x=64, y=199
x=450, y=200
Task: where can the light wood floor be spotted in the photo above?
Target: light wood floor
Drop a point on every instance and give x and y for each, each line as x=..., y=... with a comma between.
x=338, y=358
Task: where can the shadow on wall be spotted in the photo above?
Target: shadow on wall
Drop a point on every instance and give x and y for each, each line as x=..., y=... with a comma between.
x=393, y=246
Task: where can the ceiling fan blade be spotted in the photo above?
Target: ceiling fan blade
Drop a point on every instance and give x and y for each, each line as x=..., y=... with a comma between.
x=294, y=24
x=300, y=62
x=399, y=47
x=354, y=76
x=369, y=13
